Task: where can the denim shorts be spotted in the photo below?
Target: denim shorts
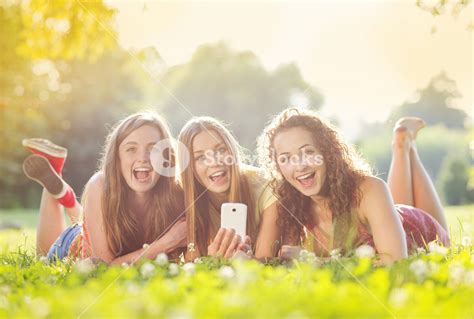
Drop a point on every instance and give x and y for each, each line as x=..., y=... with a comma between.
x=60, y=249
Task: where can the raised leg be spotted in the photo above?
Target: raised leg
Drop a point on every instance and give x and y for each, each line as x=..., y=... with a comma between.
x=425, y=195
x=399, y=175
x=51, y=223
x=408, y=180
x=56, y=193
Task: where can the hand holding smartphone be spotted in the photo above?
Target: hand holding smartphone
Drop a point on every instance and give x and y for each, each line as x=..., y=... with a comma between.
x=234, y=215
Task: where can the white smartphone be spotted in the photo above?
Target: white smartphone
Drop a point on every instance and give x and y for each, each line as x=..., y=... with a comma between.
x=234, y=215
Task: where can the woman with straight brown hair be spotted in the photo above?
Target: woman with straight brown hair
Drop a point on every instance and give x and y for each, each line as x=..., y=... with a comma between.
x=129, y=210
x=215, y=175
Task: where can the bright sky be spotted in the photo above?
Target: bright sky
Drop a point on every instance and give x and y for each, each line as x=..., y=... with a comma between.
x=366, y=57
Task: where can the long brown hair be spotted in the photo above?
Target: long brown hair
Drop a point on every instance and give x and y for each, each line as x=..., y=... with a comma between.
x=344, y=172
x=196, y=197
x=123, y=231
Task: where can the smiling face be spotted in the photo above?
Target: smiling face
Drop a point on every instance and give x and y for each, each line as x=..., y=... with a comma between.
x=299, y=160
x=211, y=167
x=134, y=155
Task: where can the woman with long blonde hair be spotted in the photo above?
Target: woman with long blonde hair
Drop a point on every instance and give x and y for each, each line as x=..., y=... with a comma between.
x=329, y=199
x=129, y=210
x=217, y=174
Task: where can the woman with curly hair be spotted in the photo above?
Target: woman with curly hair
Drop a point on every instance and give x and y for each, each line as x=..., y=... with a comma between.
x=328, y=197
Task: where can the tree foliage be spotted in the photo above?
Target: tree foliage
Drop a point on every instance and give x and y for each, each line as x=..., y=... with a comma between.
x=234, y=87
x=37, y=38
x=433, y=104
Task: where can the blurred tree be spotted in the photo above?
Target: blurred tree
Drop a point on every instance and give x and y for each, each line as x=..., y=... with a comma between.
x=442, y=7
x=36, y=35
x=234, y=87
x=433, y=104
x=446, y=134
x=454, y=180
x=65, y=29
x=433, y=144
x=101, y=93
x=439, y=7
x=470, y=185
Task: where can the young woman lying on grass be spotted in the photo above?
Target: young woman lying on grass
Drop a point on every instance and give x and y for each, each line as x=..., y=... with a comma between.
x=215, y=175
x=126, y=204
x=328, y=198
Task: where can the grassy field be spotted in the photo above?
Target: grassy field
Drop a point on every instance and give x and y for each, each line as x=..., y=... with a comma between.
x=438, y=283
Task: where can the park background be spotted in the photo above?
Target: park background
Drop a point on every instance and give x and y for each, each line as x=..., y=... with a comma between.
x=70, y=69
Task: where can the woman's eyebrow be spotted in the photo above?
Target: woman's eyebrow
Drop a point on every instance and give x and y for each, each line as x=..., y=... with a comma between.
x=214, y=147
x=284, y=153
x=304, y=146
x=218, y=145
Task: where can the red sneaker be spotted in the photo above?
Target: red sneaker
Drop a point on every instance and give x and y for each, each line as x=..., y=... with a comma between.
x=38, y=168
x=55, y=154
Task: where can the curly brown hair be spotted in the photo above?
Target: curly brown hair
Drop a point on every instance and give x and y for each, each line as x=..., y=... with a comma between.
x=345, y=170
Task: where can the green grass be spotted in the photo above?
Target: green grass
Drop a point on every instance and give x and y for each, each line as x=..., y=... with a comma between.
x=436, y=284
x=27, y=218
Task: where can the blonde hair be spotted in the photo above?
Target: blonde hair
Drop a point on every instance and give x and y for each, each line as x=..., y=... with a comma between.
x=196, y=198
x=122, y=230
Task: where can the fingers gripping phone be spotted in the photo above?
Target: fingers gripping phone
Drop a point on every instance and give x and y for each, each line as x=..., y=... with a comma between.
x=234, y=215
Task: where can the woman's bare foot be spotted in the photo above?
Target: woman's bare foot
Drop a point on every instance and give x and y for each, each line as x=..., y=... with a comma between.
x=406, y=130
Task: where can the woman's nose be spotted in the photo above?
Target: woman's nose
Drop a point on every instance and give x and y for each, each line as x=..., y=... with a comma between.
x=144, y=155
x=302, y=163
x=214, y=159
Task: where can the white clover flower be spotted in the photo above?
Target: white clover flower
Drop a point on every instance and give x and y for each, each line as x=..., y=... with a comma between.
x=434, y=248
x=4, y=290
x=365, y=251
x=419, y=268
x=147, y=270
x=308, y=257
x=44, y=260
x=132, y=287
x=398, y=297
x=303, y=254
x=40, y=307
x=456, y=274
x=420, y=250
x=466, y=241
x=84, y=266
x=180, y=313
x=145, y=246
x=312, y=259
x=226, y=272
x=162, y=259
x=189, y=268
x=173, y=269
x=469, y=278
x=244, y=274
x=335, y=253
